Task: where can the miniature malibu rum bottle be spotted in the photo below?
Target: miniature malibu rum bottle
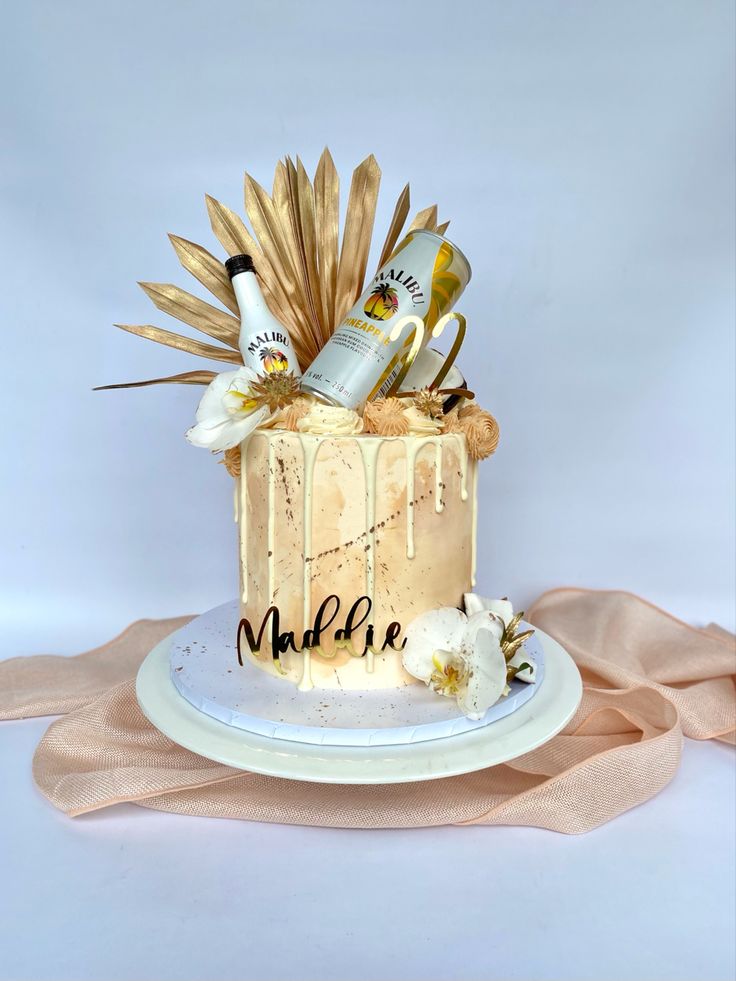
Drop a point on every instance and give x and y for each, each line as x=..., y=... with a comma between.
x=264, y=343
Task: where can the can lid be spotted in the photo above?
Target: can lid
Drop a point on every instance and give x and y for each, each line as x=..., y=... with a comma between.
x=239, y=263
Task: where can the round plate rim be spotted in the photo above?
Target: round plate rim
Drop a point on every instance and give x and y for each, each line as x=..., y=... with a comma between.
x=530, y=726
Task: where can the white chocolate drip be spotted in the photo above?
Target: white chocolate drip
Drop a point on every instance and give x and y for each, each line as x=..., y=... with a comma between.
x=413, y=447
x=306, y=683
x=463, y=454
x=310, y=445
x=243, y=486
x=271, y=535
x=439, y=504
x=411, y=450
x=474, y=534
x=369, y=450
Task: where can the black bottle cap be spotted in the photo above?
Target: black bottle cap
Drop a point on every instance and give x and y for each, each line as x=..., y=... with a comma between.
x=239, y=263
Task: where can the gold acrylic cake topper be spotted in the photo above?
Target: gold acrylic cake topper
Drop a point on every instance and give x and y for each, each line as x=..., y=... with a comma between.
x=279, y=642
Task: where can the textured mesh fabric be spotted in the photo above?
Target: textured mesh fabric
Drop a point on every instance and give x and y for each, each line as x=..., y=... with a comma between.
x=648, y=680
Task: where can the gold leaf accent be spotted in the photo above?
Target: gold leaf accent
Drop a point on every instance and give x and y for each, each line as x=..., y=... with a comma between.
x=194, y=312
x=327, y=215
x=265, y=221
x=207, y=270
x=181, y=343
x=514, y=623
x=185, y=378
x=401, y=213
x=263, y=217
x=424, y=219
x=307, y=219
x=235, y=238
x=230, y=230
x=441, y=229
x=356, y=241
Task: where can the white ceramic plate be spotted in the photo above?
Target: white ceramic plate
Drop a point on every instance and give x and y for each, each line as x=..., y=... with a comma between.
x=205, y=671
x=530, y=726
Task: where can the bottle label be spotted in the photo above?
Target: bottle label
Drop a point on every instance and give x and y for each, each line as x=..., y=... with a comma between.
x=268, y=350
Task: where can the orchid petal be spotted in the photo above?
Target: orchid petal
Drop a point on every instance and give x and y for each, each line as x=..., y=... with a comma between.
x=440, y=630
x=485, y=620
x=217, y=427
x=487, y=676
x=501, y=607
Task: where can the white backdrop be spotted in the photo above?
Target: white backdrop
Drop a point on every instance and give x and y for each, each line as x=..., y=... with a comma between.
x=584, y=152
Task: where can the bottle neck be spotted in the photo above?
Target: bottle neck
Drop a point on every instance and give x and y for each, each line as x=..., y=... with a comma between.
x=249, y=296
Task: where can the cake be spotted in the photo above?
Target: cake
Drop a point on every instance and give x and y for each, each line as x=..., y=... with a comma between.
x=389, y=518
x=353, y=444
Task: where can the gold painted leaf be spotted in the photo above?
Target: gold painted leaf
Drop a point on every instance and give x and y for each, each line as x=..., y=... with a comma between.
x=207, y=270
x=185, y=378
x=356, y=241
x=181, y=343
x=230, y=230
x=194, y=312
x=401, y=213
x=264, y=217
x=327, y=216
x=307, y=223
x=425, y=219
x=441, y=229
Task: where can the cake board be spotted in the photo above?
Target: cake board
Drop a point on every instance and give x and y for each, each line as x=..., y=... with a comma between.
x=529, y=726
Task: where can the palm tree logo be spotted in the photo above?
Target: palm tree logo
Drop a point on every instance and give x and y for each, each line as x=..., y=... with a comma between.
x=273, y=359
x=383, y=302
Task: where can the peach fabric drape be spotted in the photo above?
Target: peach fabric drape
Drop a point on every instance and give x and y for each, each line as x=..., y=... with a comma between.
x=648, y=680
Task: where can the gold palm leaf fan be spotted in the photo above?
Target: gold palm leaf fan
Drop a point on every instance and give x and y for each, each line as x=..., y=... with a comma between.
x=309, y=274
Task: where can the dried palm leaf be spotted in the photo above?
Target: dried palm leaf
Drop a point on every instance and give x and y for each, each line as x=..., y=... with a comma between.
x=327, y=215
x=235, y=238
x=185, y=378
x=425, y=219
x=194, y=312
x=286, y=206
x=230, y=230
x=401, y=213
x=207, y=270
x=182, y=343
x=307, y=222
x=356, y=241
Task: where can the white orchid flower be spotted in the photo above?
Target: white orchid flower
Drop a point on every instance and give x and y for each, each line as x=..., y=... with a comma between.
x=458, y=656
x=228, y=412
x=503, y=609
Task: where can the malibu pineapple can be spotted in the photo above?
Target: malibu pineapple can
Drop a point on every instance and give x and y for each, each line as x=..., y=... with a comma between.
x=425, y=276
